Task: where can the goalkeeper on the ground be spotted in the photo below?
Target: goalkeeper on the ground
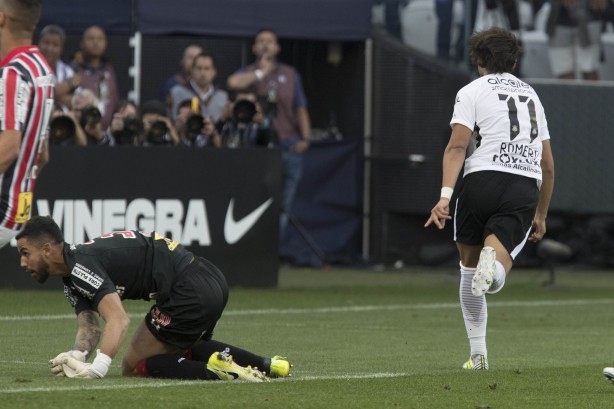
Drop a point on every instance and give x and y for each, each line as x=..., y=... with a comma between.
x=174, y=339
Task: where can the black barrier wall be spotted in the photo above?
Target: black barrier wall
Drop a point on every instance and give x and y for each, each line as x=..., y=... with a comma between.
x=221, y=204
x=413, y=101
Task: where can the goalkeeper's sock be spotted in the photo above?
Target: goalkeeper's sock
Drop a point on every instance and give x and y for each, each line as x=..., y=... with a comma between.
x=475, y=313
x=203, y=351
x=171, y=366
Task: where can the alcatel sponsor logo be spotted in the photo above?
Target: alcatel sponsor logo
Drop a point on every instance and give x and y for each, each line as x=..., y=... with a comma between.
x=508, y=82
x=188, y=224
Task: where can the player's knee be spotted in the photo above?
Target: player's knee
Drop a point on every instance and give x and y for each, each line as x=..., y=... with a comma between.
x=129, y=369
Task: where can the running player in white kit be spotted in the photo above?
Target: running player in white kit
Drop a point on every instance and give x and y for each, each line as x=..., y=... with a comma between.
x=507, y=181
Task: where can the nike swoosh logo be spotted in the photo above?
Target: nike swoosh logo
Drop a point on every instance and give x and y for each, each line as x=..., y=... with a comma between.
x=234, y=230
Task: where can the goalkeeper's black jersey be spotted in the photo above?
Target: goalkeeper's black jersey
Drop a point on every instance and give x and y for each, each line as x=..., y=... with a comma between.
x=134, y=264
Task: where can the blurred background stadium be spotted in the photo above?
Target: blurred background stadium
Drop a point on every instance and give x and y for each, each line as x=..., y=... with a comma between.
x=380, y=100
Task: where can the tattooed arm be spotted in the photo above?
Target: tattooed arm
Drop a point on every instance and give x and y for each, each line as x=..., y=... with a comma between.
x=88, y=334
x=116, y=326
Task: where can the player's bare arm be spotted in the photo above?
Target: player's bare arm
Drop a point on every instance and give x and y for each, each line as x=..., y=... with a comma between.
x=453, y=158
x=10, y=142
x=545, y=192
x=88, y=334
x=116, y=324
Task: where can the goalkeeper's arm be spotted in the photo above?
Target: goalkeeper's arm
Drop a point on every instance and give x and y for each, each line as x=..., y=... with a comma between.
x=116, y=324
x=88, y=333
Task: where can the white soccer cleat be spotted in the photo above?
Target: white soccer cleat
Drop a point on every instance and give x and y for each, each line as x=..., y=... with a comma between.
x=609, y=374
x=484, y=273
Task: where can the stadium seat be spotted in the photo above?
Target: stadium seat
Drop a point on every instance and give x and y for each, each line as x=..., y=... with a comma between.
x=541, y=17
x=606, y=70
x=535, y=62
x=419, y=25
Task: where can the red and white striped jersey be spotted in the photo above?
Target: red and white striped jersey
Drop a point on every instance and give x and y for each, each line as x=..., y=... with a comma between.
x=26, y=102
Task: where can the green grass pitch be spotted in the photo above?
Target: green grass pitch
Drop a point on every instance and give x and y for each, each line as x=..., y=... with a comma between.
x=357, y=339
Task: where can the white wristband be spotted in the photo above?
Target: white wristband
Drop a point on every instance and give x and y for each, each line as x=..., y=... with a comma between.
x=447, y=192
x=259, y=74
x=101, y=364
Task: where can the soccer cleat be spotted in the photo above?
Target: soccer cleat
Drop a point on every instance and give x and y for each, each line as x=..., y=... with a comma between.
x=482, y=279
x=222, y=365
x=477, y=363
x=280, y=367
x=609, y=374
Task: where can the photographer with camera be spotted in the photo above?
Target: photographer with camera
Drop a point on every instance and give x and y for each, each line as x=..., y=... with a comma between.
x=158, y=129
x=126, y=126
x=244, y=123
x=51, y=44
x=96, y=73
x=194, y=129
x=85, y=110
x=211, y=100
x=280, y=86
x=183, y=76
x=64, y=129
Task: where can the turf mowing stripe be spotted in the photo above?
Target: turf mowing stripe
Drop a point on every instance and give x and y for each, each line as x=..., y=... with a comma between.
x=358, y=308
x=159, y=384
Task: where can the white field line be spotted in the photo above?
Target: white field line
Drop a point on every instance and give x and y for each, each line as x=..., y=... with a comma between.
x=358, y=308
x=161, y=384
x=91, y=386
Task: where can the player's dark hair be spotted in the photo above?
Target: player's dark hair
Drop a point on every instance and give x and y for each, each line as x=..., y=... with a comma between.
x=495, y=49
x=40, y=228
x=23, y=14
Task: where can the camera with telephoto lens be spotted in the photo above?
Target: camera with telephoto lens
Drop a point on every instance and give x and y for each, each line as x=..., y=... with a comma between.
x=132, y=128
x=243, y=111
x=194, y=125
x=90, y=116
x=62, y=130
x=242, y=130
x=157, y=133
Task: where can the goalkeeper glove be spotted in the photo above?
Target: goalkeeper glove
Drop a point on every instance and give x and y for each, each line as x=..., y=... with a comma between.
x=56, y=363
x=73, y=368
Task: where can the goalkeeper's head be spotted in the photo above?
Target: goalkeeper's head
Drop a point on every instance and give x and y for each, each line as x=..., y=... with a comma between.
x=40, y=246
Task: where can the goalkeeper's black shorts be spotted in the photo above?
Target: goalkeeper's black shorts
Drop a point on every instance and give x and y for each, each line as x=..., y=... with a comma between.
x=193, y=307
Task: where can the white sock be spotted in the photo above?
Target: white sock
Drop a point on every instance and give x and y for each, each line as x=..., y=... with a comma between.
x=498, y=280
x=475, y=313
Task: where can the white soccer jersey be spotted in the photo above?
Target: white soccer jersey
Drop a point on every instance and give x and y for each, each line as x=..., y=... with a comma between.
x=509, y=121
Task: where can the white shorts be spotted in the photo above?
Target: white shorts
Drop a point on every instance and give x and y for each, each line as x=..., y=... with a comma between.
x=6, y=235
x=567, y=56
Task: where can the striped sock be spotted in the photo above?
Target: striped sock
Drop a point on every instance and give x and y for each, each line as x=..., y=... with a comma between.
x=475, y=313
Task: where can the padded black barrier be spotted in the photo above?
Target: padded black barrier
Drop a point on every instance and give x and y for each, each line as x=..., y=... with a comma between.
x=222, y=204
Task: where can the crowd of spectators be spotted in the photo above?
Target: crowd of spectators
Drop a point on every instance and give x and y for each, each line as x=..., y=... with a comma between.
x=193, y=109
x=262, y=105
x=572, y=29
